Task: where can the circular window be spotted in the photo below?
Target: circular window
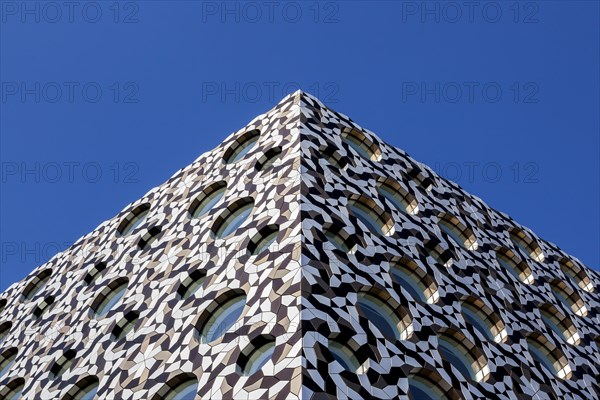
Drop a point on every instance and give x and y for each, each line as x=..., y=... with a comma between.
x=149, y=237
x=568, y=297
x=400, y=198
x=559, y=324
x=241, y=146
x=63, y=363
x=453, y=350
x=346, y=357
x=133, y=220
x=416, y=282
x=221, y=316
x=483, y=319
x=233, y=218
x=550, y=357
x=263, y=239
x=367, y=211
x=85, y=389
x=423, y=388
x=191, y=284
x=14, y=390
x=208, y=199
x=7, y=359
x=182, y=387
x=383, y=317
x=451, y=227
x=36, y=284
x=4, y=330
x=43, y=306
x=340, y=239
x=361, y=144
x=526, y=244
x=256, y=355
x=511, y=263
x=438, y=253
x=94, y=273
x=125, y=325
x=333, y=157
x=185, y=391
x=268, y=159
x=110, y=296
x=576, y=273
x=472, y=316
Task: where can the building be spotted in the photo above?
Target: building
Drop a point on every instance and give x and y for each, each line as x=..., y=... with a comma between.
x=304, y=258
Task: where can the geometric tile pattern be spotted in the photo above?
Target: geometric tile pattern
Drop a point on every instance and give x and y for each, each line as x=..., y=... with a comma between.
x=309, y=168
x=332, y=279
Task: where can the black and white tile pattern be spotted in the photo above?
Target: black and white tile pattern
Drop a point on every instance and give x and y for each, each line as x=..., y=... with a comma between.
x=303, y=291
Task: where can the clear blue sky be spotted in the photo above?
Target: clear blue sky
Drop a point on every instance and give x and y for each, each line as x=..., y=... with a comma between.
x=102, y=103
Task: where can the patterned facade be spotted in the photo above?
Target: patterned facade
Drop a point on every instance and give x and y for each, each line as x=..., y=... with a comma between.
x=359, y=272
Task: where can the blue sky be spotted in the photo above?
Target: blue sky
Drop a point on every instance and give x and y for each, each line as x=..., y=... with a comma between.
x=103, y=101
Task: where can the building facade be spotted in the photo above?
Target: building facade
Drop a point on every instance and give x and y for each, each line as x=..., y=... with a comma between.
x=304, y=258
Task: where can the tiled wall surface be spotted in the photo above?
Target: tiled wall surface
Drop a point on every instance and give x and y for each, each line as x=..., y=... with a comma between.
x=466, y=273
x=308, y=176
